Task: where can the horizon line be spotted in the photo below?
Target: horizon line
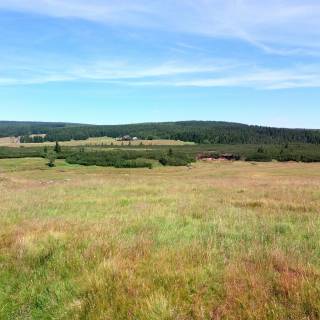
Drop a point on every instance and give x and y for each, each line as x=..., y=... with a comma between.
x=158, y=122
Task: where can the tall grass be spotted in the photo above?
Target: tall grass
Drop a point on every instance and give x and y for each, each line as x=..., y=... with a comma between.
x=219, y=241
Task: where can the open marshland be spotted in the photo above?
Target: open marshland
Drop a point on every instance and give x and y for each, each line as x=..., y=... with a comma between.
x=223, y=240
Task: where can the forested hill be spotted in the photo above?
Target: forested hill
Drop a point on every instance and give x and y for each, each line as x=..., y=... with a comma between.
x=21, y=128
x=197, y=131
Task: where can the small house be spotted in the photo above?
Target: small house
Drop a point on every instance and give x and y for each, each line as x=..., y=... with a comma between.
x=125, y=138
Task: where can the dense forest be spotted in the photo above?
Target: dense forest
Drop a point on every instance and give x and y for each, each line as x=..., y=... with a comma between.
x=204, y=132
x=26, y=128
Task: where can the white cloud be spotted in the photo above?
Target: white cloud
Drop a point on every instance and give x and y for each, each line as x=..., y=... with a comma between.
x=215, y=73
x=251, y=77
x=265, y=80
x=281, y=27
x=276, y=26
x=31, y=72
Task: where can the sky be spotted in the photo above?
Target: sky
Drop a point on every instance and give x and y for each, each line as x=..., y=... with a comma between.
x=128, y=61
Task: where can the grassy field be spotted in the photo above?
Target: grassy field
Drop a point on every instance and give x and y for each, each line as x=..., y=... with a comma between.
x=12, y=142
x=223, y=240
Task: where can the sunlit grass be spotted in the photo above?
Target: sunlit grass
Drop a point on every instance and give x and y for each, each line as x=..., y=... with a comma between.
x=12, y=142
x=218, y=241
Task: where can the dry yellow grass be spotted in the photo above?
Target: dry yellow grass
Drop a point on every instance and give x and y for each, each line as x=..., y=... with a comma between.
x=12, y=142
x=8, y=141
x=220, y=241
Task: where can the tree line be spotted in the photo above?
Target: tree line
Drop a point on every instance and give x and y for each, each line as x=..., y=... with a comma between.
x=27, y=128
x=202, y=132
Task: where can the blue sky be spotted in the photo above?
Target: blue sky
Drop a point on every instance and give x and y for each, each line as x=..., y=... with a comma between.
x=123, y=61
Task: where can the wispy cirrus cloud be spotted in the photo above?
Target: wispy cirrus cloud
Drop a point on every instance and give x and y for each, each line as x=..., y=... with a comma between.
x=286, y=28
x=214, y=73
x=248, y=77
x=32, y=72
x=278, y=27
x=260, y=79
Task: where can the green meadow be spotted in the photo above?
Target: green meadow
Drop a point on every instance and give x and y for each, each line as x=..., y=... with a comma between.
x=218, y=240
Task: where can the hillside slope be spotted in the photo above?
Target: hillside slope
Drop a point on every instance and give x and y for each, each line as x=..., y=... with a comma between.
x=196, y=131
x=20, y=128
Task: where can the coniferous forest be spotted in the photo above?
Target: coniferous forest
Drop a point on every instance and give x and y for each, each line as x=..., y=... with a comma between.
x=203, y=132
x=212, y=140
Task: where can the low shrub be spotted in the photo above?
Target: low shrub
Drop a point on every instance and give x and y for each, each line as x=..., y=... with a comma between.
x=176, y=160
x=133, y=164
x=259, y=157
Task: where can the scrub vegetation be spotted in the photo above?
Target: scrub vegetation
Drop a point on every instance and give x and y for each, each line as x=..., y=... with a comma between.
x=188, y=152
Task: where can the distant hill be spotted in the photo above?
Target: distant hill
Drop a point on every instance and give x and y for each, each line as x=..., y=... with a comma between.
x=21, y=128
x=207, y=132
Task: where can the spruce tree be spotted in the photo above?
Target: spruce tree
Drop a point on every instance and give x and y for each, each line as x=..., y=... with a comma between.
x=51, y=156
x=57, y=147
